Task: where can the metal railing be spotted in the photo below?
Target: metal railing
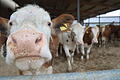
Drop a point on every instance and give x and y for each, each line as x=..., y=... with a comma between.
x=95, y=75
x=102, y=20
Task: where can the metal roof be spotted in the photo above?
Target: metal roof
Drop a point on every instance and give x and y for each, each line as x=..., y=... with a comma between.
x=88, y=8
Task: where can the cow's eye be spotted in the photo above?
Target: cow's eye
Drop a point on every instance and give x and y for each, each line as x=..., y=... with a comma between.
x=10, y=23
x=49, y=23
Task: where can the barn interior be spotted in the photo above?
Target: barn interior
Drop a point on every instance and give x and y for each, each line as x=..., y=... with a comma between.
x=102, y=58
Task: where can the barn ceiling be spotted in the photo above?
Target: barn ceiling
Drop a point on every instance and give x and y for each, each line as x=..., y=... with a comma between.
x=88, y=8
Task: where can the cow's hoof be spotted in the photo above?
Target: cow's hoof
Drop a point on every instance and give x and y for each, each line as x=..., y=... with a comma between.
x=72, y=61
x=69, y=69
x=56, y=55
x=88, y=57
x=82, y=57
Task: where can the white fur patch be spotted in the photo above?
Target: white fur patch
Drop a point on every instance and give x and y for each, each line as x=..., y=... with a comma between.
x=95, y=31
x=74, y=22
x=79, y=30
x=28, y=63
x=10, y=57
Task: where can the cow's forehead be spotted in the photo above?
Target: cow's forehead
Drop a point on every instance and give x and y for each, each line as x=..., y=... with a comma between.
x=31, y=16
x=95, y=30
x=30, y=12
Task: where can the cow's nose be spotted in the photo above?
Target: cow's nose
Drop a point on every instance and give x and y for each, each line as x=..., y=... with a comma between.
x=29, y=40
x=26, y=38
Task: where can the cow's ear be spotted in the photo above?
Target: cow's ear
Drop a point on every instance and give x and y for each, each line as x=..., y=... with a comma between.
x=57, y=27
x=16, y=8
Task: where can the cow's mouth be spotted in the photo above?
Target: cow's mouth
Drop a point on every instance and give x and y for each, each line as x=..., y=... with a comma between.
x=29, y=56
x=32, y=62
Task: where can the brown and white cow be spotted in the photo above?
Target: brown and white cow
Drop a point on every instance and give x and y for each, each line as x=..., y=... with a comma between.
x=69, y=37
x=90, y=37
x=108, y=31
x=28, y=42
x=57, y=23
x=101, y=30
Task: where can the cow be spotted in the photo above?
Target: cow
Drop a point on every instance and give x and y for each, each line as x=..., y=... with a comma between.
x=70, y=40
x=69, y=37
x=90, y=37
x=108, y=31
x=101, y=30
x=57, y=22
x=4, y=31
x=28, y=41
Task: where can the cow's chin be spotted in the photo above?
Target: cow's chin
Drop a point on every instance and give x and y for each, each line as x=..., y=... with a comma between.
x=28, y=63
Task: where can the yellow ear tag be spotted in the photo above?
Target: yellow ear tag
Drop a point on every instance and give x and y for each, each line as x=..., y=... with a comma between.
x=63, y=28
x=87, y=30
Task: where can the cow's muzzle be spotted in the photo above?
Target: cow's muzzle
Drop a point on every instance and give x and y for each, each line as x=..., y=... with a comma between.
x=26, y=42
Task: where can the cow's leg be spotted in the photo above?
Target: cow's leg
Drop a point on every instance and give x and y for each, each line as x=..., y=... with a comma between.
x=56, y=50
x=88, y=51
x=82, y=51
x=72, y=55
x=68, y=57
x=77, y=48
x=61, y=49
x=100, y=42
x=72, y=60
x=103, y=41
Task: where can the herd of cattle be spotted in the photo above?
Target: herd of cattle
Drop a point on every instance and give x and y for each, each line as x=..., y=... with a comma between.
x=30, y=40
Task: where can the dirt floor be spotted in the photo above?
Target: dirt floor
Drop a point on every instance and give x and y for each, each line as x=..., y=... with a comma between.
x=100, y=59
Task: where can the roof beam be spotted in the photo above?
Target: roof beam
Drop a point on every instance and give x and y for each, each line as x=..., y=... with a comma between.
x=96, y=3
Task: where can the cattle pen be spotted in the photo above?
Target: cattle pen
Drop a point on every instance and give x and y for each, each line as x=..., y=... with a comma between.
x=104, y=62
x=100, y=59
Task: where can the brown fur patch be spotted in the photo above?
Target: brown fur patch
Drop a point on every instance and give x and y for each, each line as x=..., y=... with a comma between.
x=88, y=36
x=62, y=19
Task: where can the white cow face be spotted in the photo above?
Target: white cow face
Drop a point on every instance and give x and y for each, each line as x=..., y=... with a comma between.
x=29, y=37
x=79, y=31
x=95, y=31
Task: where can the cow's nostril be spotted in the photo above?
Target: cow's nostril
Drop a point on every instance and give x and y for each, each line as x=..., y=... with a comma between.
x=26, y=35
x=38, y=40
x=14, y=40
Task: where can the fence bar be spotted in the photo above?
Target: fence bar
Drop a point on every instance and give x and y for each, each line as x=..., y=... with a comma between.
x=103, y=20
x=99, y=19
x=119, y=20
x=78, y=10
x=95, y=75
